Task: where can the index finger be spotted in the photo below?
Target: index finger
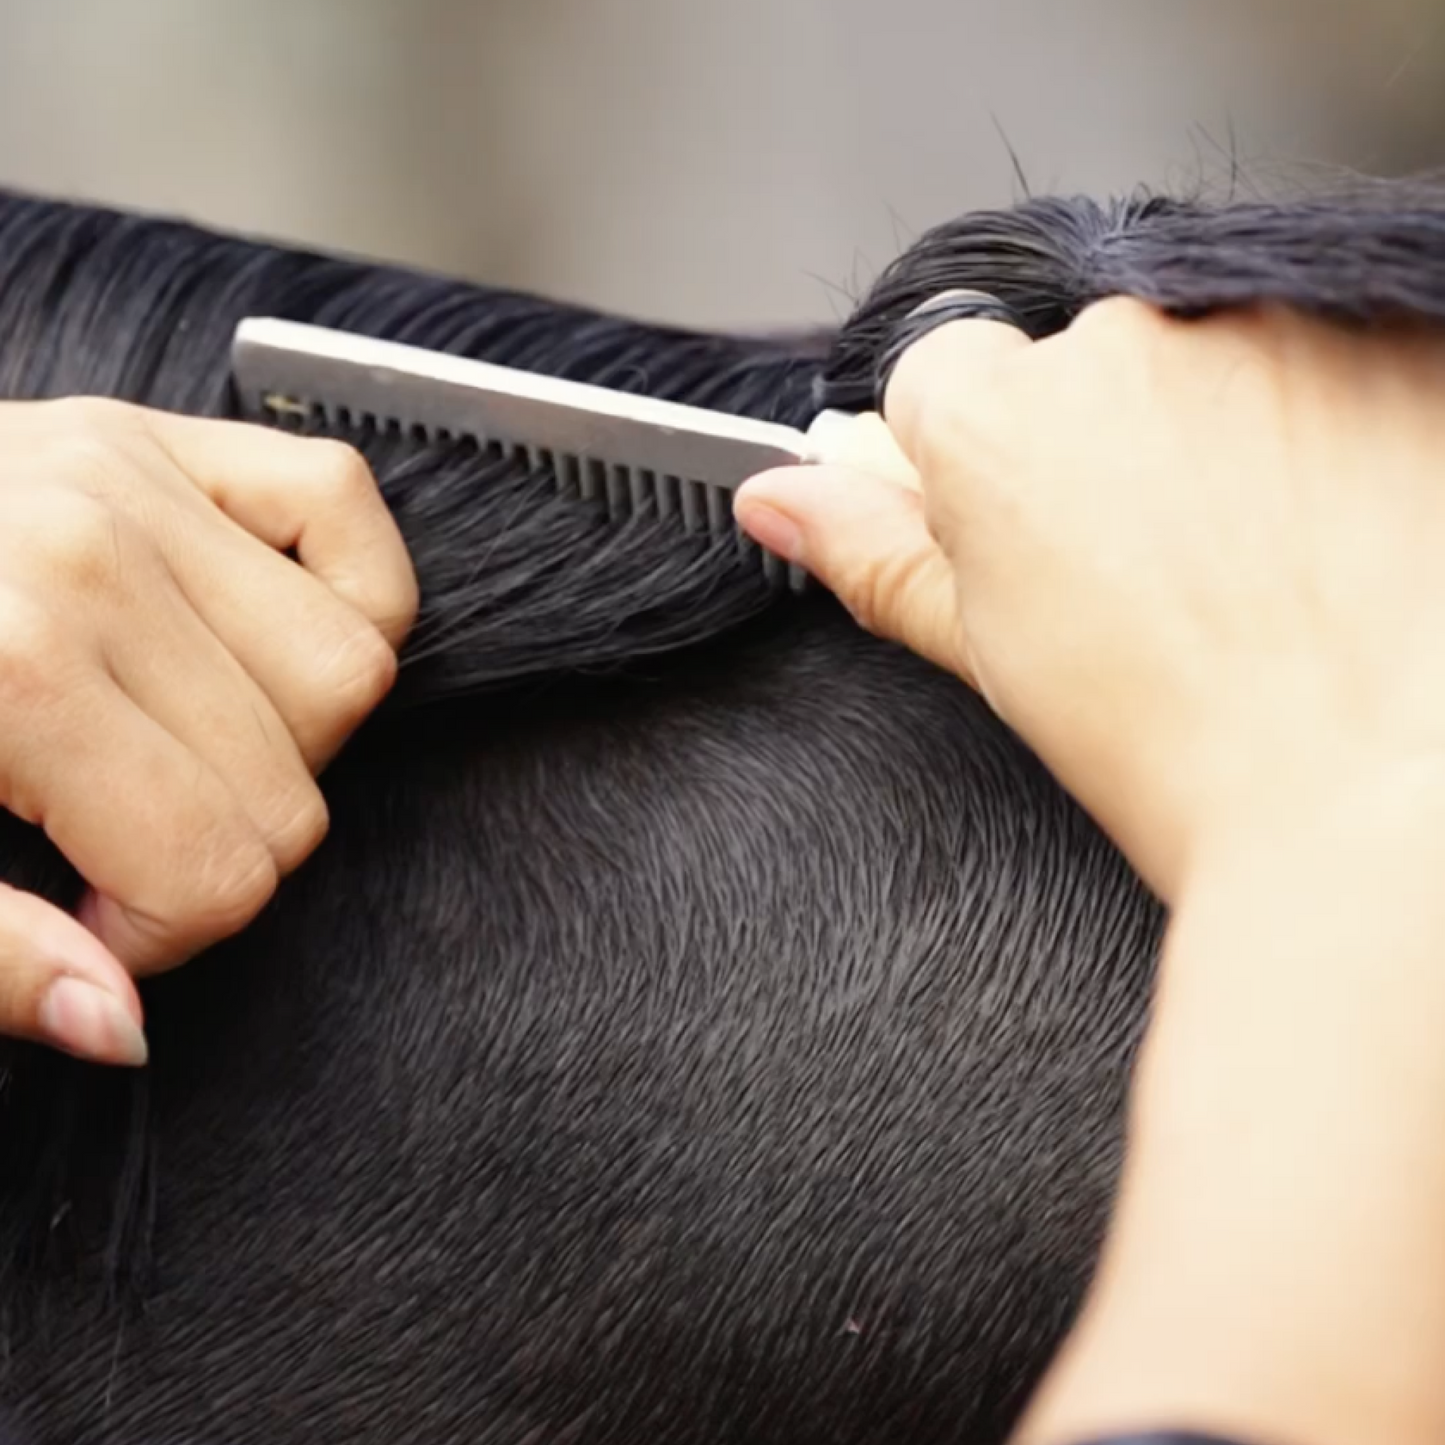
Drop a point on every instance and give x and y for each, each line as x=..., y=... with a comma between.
x=942, y=364
x=310, y=494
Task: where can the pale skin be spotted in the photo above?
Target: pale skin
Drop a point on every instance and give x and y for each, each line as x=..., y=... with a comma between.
x=194, y=616
x=1198, y=567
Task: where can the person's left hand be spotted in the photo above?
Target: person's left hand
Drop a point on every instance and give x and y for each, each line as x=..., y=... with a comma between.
x=171, y=681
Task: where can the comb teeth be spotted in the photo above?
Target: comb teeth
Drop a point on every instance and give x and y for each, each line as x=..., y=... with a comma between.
x=631, y=455
x=700, y=509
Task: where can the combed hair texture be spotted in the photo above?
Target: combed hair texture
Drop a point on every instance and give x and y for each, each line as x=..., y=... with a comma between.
x=704, y=1022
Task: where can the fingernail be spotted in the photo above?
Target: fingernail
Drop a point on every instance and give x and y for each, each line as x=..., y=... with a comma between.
x=769, y=528
x=88, y=1022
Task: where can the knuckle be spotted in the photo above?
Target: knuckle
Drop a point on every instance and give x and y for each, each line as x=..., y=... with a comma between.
x=34, y=653
x=340, y=470
x=80, y=541
x=81, y=415
x=84, y=459
x=90, y=436
x=1120, y=320
x=218, y=876
x=389, y=603
x=304, y=825
x=358, y=674
x=233, y=878
x=404, y=605
x=394, y=614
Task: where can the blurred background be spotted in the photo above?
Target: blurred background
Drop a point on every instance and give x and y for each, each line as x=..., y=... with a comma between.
x=733, y=163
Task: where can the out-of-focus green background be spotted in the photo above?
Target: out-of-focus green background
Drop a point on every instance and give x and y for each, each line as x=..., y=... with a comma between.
x=732, y=163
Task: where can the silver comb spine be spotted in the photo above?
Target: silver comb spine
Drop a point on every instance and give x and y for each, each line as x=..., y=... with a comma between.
x=626, y=451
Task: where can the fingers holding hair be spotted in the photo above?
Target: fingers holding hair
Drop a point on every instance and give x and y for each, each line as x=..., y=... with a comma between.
x=873, y=538
x=320, y=639
x=311, y=495
x=867, y=540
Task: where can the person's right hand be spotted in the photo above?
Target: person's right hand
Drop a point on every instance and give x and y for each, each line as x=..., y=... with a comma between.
x=170, y=684
x=1198, y=565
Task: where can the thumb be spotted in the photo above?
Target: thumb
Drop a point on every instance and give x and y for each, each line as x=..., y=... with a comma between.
x=866, y=540
x=59, y=985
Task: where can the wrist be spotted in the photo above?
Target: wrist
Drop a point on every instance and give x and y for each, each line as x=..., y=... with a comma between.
x=1276, y=1266
x=1312, y=895
x=1249, y=791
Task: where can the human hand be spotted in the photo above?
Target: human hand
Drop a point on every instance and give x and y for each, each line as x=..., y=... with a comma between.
x=1196, y=565
x=171, y=683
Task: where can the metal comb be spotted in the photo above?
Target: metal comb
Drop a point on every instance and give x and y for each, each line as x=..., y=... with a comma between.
x=630, y=452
